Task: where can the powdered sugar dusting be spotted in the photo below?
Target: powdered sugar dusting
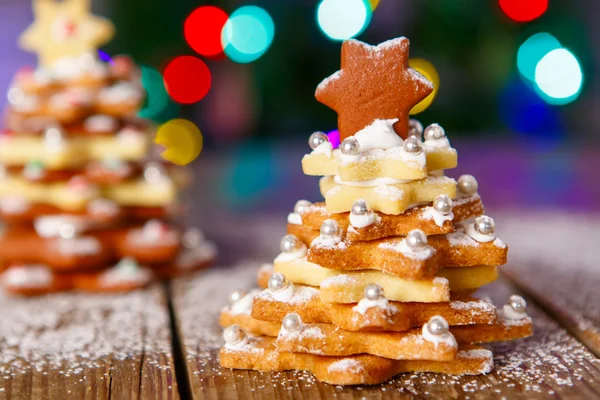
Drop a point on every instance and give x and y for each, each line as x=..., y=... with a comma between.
x=300, y=295
x=346, y=364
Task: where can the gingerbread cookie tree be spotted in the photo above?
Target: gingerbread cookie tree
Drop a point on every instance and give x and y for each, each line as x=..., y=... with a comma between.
x=85, y=204
x=378, y=279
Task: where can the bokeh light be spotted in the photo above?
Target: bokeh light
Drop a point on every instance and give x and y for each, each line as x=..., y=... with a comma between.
x=523, y=10
x=343, y=19
x=525, y=113
x=334, y=138
x=187, y=79
x=203, y=28
x=181, y=139
x=247, y=34
x=373, y=4
x=428, y=71
x=157, y=98
x=533, y=50
x=558, y=77
x=105, y=57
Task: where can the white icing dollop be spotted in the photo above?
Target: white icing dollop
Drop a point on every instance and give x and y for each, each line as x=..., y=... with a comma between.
x=124, y=273
x=14, y=205
x=48, y=226
x=509, y=313
x=438, y=217
x=105, y=207
x=101, y=123
x=326, y=241
x=366, y=304
x=78, y=246
x=122, y=92
x=370, y=182
x=189, y=258
x=442, y=143
x=294, y=218
x=28, y=276
x=379, y=135
x=284, y=295
x=324, y=148
x=293, y=256
x=244, y=305
x=423, y=253
x=362, y=221
x=446, y=338
x=470, y=230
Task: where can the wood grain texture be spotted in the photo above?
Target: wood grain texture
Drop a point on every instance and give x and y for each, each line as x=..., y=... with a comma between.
x=551, y=363
x=87, y=347
x=556, y=259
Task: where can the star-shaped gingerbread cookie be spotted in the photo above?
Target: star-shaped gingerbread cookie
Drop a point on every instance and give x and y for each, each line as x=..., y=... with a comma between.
x=375, y=82
x=64, y=28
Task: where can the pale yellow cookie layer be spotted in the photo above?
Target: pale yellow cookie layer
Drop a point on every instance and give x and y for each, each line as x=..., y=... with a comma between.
x=388, y=199
x=74, y=152
x=349, y=287
x=130, y=193
x=378, y=165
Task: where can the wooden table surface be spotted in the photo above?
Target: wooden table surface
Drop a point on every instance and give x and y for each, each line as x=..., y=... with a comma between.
x=163, y=342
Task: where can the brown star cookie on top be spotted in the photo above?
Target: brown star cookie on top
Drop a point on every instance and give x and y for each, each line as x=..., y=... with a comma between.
x=375, y=82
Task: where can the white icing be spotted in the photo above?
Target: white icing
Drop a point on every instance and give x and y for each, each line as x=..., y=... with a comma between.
x=423, y=253
x=101, y=123
x=23, y=102
x=283, y=295
x=366, y=304
x=43, y=76
x=244, y=305
x=14, y=205
x=460, y=238
x=438, y=217
x=446, y=338
x=362, y=221
x=242, y=345
x=122, y=92
x=49, y=226
x=293, y=256
x=328, y=241
x=470, y=230
x=379, y=135
x=78, y=246
x=324, y=148
x=190, y=258
x=126, y=273
x=153, y=233
x=103, y=207
x=442, y=143
x=509, y=313
x=300, y=295
x=28, y=276
x=312, y=332
x=370, y=182
x=294, y=218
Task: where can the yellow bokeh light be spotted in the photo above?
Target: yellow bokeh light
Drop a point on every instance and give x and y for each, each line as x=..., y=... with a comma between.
x=181, y=139
x=374, y=4
x=428, y=71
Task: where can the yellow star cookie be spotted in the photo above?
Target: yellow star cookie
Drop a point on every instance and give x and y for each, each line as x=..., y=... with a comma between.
x=64, y=29
x=389, y=199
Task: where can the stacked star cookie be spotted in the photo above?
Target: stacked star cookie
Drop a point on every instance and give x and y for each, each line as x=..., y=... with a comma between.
x=86, y=205
x=378, y=279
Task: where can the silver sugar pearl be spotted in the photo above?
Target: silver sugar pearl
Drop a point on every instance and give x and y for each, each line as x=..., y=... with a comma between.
x=415, y=128
x=467, y=184
x=485, y=225
x=290, y=244
x=301, y=205
x=192, y=238
x=317, y=139
x=292, y=323
x=373, y=292
x=434, y=132
x=412, y=145
x=330, y=228
x=277, y=282
x=517, y=303
x=443, y=204
x=416, y=239
x=154, y=172
x=66, y=230
x=236, y=296
x=437, y=325
x=234, y=335
x=360, y=207
x=350, y=147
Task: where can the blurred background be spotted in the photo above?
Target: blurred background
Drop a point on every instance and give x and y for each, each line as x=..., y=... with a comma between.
x=517, y=87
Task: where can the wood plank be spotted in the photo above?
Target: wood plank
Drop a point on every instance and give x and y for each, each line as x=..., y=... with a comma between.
x=555, y=259
x=550, y=363
x=87, y=347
